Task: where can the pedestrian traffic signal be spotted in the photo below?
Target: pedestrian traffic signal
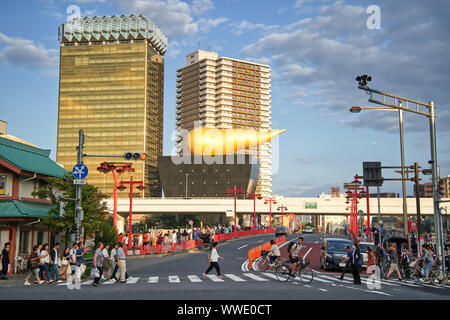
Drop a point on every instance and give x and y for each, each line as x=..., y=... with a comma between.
x=135, y=156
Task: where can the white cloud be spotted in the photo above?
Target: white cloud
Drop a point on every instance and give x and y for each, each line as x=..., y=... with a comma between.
x=175, y=18
x=25, y=53
x=240, y=28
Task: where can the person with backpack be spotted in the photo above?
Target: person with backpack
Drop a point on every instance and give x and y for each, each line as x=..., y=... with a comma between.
x=294, y=249
x=213, y=261
x=356, y=263
x=54, y=263
x=33, y=267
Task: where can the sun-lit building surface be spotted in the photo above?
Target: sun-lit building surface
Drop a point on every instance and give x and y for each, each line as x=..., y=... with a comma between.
x=224, y=93
x=111, y=86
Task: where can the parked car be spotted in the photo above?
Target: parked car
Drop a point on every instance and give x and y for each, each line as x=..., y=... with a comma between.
x=281, y=231
x=363, y=248
x=332, y=253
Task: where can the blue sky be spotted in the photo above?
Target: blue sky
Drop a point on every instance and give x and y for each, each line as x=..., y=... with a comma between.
x=315, y=50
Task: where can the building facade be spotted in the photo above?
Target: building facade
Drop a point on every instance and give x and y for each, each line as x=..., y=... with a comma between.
x=23, y=169
x=111, y=86
x=224, y=93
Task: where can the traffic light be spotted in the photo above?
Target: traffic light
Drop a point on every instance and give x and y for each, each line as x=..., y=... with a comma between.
x=372, y=174
x=135, y=156
x=441, y=187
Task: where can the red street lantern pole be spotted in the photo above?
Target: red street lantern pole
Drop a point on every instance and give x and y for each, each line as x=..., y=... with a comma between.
x=241, y=191
x=254, y=196
x=141, y=187
x=117, y=168
x=270, y=206
x=282, y=216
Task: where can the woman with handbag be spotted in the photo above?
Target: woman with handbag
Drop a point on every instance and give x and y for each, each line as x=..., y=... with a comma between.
x=33, y=267
x=65, y=270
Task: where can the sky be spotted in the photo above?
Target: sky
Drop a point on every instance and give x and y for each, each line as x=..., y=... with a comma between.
x=315, y=49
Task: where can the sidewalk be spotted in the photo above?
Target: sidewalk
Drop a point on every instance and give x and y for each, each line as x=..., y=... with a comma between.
x=14, y=280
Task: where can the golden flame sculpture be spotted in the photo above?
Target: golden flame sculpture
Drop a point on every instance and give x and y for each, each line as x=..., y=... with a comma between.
x=210, y=141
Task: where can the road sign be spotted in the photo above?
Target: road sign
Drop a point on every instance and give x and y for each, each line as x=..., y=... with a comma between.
x=79, y=181
x=191, y=222
x=80, y=171
x=352, y=185
x=310, y=205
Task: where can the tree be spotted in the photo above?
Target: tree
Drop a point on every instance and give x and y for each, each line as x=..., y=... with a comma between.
x=107, y=234
x=95, y=211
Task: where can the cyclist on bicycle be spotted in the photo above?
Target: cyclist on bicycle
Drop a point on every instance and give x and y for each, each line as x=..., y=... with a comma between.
x=294, y=254
x=275, y=251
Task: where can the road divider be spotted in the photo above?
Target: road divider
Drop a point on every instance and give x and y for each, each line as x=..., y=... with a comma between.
x=255, y=253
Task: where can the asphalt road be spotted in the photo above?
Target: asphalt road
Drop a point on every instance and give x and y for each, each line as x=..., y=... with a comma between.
x=178, y=277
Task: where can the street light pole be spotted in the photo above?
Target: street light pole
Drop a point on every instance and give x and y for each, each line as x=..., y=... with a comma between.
x=402, y=153
x=362, y=84
x=270, y=209
x=241, y=191
x=282, y=207
x=254, y=196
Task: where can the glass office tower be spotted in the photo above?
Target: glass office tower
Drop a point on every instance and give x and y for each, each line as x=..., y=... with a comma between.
x=111, y=86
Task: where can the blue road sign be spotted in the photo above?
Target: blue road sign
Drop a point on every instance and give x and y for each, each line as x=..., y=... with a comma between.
x=80, y=171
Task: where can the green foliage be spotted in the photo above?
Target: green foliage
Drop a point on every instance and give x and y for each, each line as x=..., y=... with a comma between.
x=107, y=235
x=166, y=221
x=95, y=211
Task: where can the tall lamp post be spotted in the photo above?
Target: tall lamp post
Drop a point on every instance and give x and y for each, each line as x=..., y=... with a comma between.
x=282, y=207
x=117, y=168
x=270, y=201
x=254, y=196
x=241, y=191
x=430, y=114
x=122, y=187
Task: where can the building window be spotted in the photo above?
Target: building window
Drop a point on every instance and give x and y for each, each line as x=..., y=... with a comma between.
x=2, y=185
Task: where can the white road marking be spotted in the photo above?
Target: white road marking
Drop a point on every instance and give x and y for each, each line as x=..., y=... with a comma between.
x=323, y=290
x=111, y=281
x=132, y=279
x=334, y=279
x=242, y=246
x=320, y=279
x=378, y=292
x=234, y=277
x=87, y=282
x=194, y=278
x=153, y=280
x=214, y=278
x=174, y=279
x=304, y=257
x=270, y=275
x=254, y=277
x=260, y=241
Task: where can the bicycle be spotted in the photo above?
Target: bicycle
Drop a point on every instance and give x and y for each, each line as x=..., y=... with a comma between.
x=264, y=262
x=305, y=273
x=436, y=277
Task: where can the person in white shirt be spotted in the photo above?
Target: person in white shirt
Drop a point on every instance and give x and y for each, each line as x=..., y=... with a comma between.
x=214, y=261
x=275, y=251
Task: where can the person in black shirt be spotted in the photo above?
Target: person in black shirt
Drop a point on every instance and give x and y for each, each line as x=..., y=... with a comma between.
x=356, y=263
x=5, y=261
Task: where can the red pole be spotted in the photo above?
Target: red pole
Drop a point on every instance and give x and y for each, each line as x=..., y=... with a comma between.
x=254, y=212
x=131, y=211
x=368, y=214
x=115, y=199
x=235, y=226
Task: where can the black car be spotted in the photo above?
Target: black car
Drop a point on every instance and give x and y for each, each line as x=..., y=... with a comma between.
x=333, y=253
x=281, y=231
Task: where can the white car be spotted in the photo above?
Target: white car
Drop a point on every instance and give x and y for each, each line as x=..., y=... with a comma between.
x=363, y=248
x=308, y=230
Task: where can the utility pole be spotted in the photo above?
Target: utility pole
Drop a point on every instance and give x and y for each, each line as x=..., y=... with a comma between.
x=78, y=209
x=416, y=181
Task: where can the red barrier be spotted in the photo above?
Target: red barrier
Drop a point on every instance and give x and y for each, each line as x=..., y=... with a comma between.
x=256, y=252
x=190, y=244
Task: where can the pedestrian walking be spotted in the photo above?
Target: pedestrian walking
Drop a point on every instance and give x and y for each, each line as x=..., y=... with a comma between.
x=54, y=263
x=80, y=259
x=73, y=258
x=121, y=261
x=356, y=263
x=213, y=261
x=393, y=256
x=98, y=263
x=44, y=257
x=65, y=270
x=113, y=258
x=347, y=262
x=5, y=261
x=33, y=267
x=106, y=262
x=371, y=260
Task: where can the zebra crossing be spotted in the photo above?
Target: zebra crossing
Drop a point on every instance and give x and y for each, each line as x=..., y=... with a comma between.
x=321, y=281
